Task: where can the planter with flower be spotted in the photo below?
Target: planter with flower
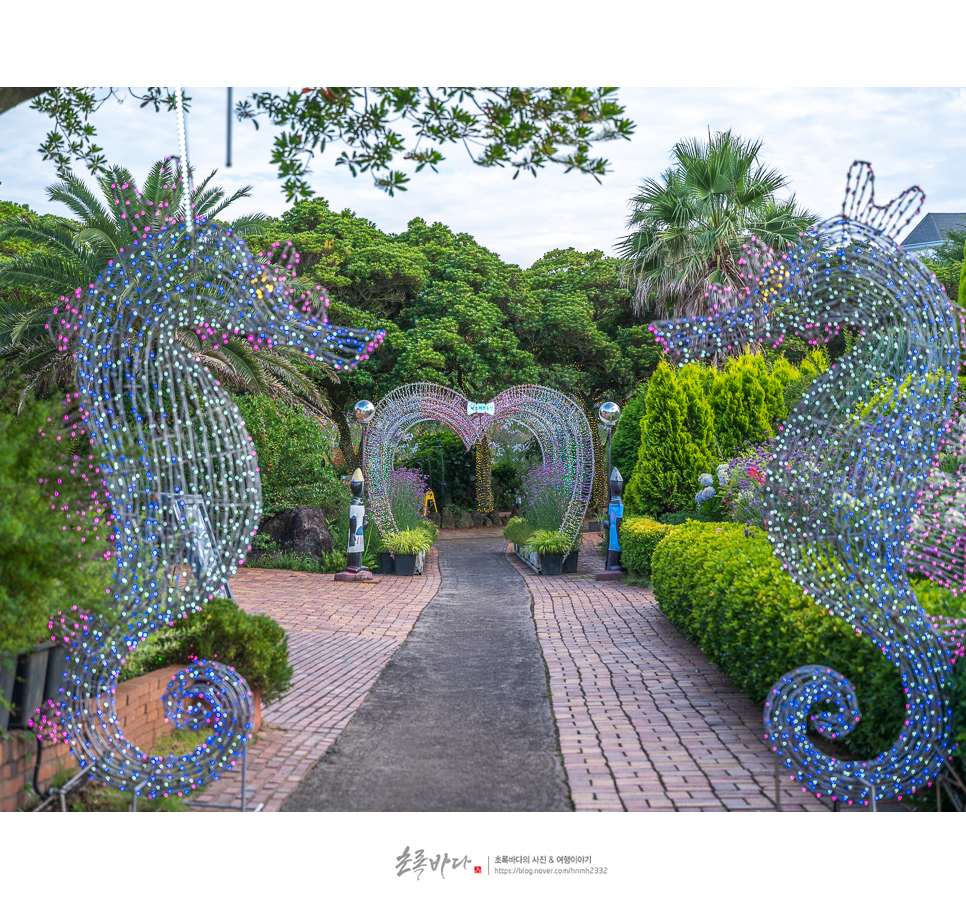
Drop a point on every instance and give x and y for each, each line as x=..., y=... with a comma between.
x=404, y=552
x=544, y=496
x=408, y=549
x=550, y=547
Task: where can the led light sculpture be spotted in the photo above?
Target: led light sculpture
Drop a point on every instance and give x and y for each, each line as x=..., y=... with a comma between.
x=168, y=432
x=557, y=423
x=848, y=469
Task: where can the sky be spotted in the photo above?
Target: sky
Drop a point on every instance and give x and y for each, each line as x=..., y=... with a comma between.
x=912, y=136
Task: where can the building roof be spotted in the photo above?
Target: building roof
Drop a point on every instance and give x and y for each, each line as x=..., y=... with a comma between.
x=932, y=230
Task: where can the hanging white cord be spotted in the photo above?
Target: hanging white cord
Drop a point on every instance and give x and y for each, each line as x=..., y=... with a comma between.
x=183, y=142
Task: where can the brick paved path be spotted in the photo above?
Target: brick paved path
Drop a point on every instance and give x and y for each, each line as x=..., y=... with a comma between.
x=646, y=722
x=340, y=638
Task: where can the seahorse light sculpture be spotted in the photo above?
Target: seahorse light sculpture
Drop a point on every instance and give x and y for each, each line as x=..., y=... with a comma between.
x=173, y=444
x=848, y=469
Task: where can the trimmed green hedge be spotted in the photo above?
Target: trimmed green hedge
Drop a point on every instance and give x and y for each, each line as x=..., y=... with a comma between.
x=639, y=538
x=727, y=592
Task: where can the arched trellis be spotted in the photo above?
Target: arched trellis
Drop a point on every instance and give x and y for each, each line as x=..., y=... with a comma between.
x=557, y=423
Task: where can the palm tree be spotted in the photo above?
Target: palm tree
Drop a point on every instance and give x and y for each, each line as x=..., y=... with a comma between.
x=689, y=227
x=67, y=256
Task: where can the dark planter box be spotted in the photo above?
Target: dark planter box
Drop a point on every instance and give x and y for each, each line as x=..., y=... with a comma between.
x=570, y=563
x=8, y=672
x=56, y=667
x=405, y=564
x=594, y=526
x=28, y=693
x=551, y=563
x=387, y=563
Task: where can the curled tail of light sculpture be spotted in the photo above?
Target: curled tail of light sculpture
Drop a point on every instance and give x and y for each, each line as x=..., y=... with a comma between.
x=848, y=467
x=176, y=455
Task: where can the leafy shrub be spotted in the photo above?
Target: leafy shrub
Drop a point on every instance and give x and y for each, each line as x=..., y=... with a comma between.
x=450, y=468
x=48, y=560
x=729, y=594
x=255, y=645
x=517, y=531
x=506, y=485
x=294, y=457
x=639, y=538
x=276, y=559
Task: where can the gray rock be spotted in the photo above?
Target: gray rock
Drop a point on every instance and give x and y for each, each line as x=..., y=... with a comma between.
x=464, y=520
x=300, y=530
x=478, y=519
x=494, y=519
x=433, y=518
x=446, y=520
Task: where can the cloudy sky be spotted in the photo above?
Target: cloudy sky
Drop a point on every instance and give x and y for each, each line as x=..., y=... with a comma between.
x=810, y=135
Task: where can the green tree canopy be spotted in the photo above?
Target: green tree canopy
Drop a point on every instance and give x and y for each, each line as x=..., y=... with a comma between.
x=688, y=227
x=522, y=127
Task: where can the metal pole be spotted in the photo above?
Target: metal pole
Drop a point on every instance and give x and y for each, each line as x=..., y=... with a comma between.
x=244, y=802
x=183, y=143
x=610, y=432
x=778, y=787
x=228, y=154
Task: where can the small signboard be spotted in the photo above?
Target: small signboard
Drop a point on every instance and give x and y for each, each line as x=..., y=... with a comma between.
x=473, y=408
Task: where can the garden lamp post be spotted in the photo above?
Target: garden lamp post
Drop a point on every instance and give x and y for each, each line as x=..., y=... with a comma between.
x=608, y=413
x=363, y=411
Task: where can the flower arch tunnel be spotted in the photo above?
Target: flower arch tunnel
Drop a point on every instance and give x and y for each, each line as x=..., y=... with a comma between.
x=558, y=424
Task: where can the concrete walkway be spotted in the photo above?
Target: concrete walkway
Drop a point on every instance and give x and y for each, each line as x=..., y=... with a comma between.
x=340, y=638
x=644, y=721
x=459, y=720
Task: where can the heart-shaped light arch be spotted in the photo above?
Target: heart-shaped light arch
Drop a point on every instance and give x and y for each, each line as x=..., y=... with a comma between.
x=558, y=424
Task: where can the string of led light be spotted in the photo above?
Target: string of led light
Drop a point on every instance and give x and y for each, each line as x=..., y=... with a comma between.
x=166, y=430
x=868, y=430
x=557, y=423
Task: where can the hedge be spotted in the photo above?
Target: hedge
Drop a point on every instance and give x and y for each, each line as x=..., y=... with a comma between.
x=727, y=592
x=639, y=538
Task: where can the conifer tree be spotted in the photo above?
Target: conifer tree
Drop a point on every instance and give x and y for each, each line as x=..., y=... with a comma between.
x=669, y=462
x=745, y=401
x=697, y=382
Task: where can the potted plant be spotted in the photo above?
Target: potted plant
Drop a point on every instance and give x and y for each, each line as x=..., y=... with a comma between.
x=405, y=546
x=550, y=547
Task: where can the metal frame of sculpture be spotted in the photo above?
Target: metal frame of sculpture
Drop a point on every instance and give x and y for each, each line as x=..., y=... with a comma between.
x=848, y=470
x=165, y=428
x=558, y=424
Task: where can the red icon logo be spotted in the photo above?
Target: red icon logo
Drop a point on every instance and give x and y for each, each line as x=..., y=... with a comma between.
x=477, y=870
